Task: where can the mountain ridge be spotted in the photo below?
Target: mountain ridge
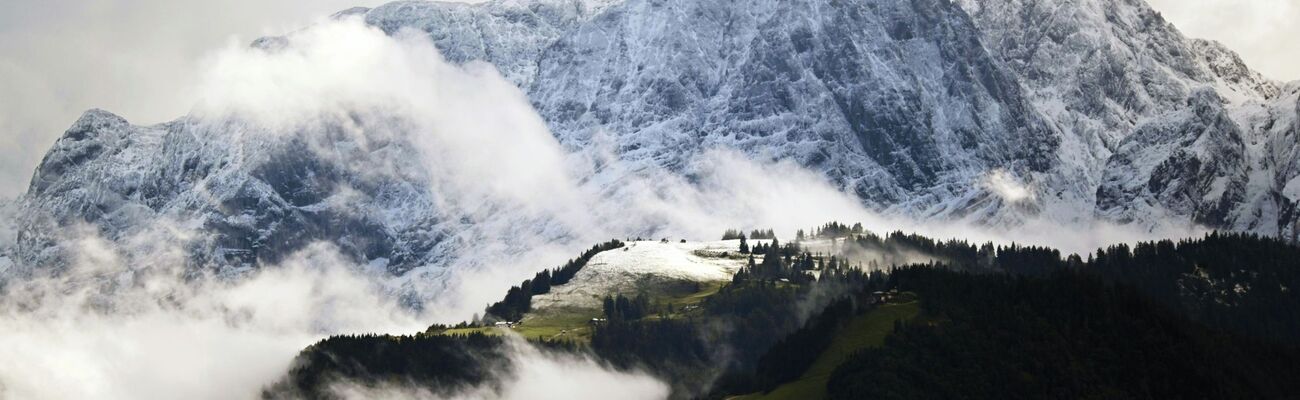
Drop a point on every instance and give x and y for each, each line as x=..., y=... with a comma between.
x=1098, y=110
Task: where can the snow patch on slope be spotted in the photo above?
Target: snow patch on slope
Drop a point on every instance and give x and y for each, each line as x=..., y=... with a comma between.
x=620, y=270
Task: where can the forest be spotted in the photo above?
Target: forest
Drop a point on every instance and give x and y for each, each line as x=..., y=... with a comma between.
x=1064, y=335
x=442, y=364
x=1232, y=281
x=1207, y=317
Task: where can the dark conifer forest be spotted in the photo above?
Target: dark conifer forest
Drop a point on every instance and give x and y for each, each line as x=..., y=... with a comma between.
x=441, y=364
x=1210, y=317
x=1065, y=335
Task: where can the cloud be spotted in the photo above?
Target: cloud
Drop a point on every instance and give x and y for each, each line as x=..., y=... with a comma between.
x=132, y=318
x=571, y=377
x=1007, y=186
x=130, y=321
x=487, y=158
x=535, y=374
x=465, y=122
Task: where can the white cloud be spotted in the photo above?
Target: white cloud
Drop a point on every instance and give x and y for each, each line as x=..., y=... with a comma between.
x=571, y=377
x=131, y=322
x=536, y=374
x=1007, y=186
x=467, y=122
x=489, y=158
x=129, y=318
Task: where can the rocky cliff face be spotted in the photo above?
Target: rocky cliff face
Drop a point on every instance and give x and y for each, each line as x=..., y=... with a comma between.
x=897, y=102
x=251, y=197
x=1167, y=129
x=1099, y=108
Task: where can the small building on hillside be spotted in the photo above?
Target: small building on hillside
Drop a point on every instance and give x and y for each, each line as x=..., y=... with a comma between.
x=879, y=297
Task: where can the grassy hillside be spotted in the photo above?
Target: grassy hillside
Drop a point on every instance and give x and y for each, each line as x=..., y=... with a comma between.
x=574, y=323
x=864, y=331
x=1019, y=322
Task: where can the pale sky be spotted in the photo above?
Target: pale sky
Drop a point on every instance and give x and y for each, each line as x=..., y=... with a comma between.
x=1266, y=33
x=136, y=58
x=139, y=58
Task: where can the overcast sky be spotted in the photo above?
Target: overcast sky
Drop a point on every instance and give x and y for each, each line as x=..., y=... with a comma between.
x=138, y=58
x=1264, y=32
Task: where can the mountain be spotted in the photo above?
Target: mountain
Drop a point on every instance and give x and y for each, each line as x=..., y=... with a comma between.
x=897, y=102
x=1098, y=110
x=1101, y=107
x=254, y=198
x=1160, y=127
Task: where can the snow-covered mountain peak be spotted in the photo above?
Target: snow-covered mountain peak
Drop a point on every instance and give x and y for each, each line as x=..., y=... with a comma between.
x=1232, y=72
x=95, y=132
x=1096, y=110
x=94, y=121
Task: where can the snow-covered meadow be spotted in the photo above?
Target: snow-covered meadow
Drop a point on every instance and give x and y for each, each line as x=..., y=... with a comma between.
x=626, y=270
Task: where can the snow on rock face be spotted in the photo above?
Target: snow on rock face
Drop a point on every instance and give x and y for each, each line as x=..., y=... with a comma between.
x=1192, y=162
x=623, y=270
x=512, y=35
x=1128, y=91
x=895, y=101
x=98, y=172
x=1275, y=162
x=1092, y=108
x=253, y=200
x=1233, y=73
x=8, y=235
